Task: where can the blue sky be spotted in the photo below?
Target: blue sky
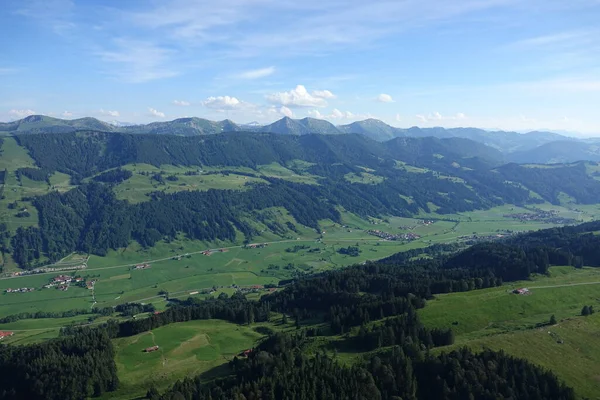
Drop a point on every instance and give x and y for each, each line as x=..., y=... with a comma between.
x=496, y=64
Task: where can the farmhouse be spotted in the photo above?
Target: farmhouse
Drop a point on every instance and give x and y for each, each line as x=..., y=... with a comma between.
x=4, y=334
x=521, y=291
x=151, y=349
x=245, y=353
x=142, y=266
x=62, y=279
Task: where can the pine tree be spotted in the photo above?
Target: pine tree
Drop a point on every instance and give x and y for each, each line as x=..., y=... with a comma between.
x=585, y=311
x=152, y=393
x=552, y=320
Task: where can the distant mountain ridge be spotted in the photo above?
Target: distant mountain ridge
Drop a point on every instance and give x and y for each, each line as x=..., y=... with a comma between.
x=541, y=147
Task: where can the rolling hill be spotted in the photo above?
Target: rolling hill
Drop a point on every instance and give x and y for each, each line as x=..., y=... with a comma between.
x=560, y=151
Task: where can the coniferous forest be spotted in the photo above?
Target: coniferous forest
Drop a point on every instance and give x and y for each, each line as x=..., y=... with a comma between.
x=376, y=301
x=90, y=219
x=369, y=308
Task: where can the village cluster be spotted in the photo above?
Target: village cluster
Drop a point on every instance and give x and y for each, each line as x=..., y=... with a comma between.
x=393, y=236
x=484, y=238
x=60, y=282
x=45, y=270
x=550, y=216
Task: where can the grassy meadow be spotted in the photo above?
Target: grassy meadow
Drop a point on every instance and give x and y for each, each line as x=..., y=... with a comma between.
x=518, y=324
x=185, y=349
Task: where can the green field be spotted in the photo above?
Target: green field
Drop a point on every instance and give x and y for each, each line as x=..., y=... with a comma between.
x=118, y=283
x=185, y=349
x=136, y=188
x=497, y=319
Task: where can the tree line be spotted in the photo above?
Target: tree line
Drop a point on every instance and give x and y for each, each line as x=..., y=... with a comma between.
x=73, y=367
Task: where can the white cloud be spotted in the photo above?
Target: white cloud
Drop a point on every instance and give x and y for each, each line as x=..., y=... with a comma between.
x=338, y=115
x=21, y=113
x=256, y=73
x=315, y=114
x=324, y=94
x=385, y=98
x=109, y=113
x=398, y=118
x=223, y=103
x=274, y=112
x=66, y=114
x=182, y=103
x=156, y=113
x=299, y=97
x=436, y=116
x=286, y=111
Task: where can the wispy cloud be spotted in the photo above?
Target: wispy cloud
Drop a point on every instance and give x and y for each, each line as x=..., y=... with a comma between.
x=56, y=14
x=559, y=85
x=138, y=61
x=256, y=73
x=8, y=70
x=568, y=38
x=244, y=28
x=181, y=103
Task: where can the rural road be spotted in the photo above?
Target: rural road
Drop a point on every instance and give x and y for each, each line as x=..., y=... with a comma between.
x=152, y=261
x=564, y=285
x=183, y=255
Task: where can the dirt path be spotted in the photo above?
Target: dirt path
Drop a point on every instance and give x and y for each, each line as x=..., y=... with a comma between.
x=564, y=285
x=162, y=354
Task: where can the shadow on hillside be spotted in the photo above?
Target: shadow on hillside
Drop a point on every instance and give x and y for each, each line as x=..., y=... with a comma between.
x=220, y=371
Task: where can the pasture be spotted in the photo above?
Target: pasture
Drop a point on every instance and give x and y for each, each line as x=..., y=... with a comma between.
x=497, y=319
x=136, y=188
x=179, y=267
x=185, y=349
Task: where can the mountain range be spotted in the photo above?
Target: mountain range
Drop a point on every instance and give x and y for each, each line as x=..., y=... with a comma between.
x=530, y=147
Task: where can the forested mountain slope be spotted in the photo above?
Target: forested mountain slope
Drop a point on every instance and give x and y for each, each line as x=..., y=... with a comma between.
x=400, y=177
x=527, y=147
